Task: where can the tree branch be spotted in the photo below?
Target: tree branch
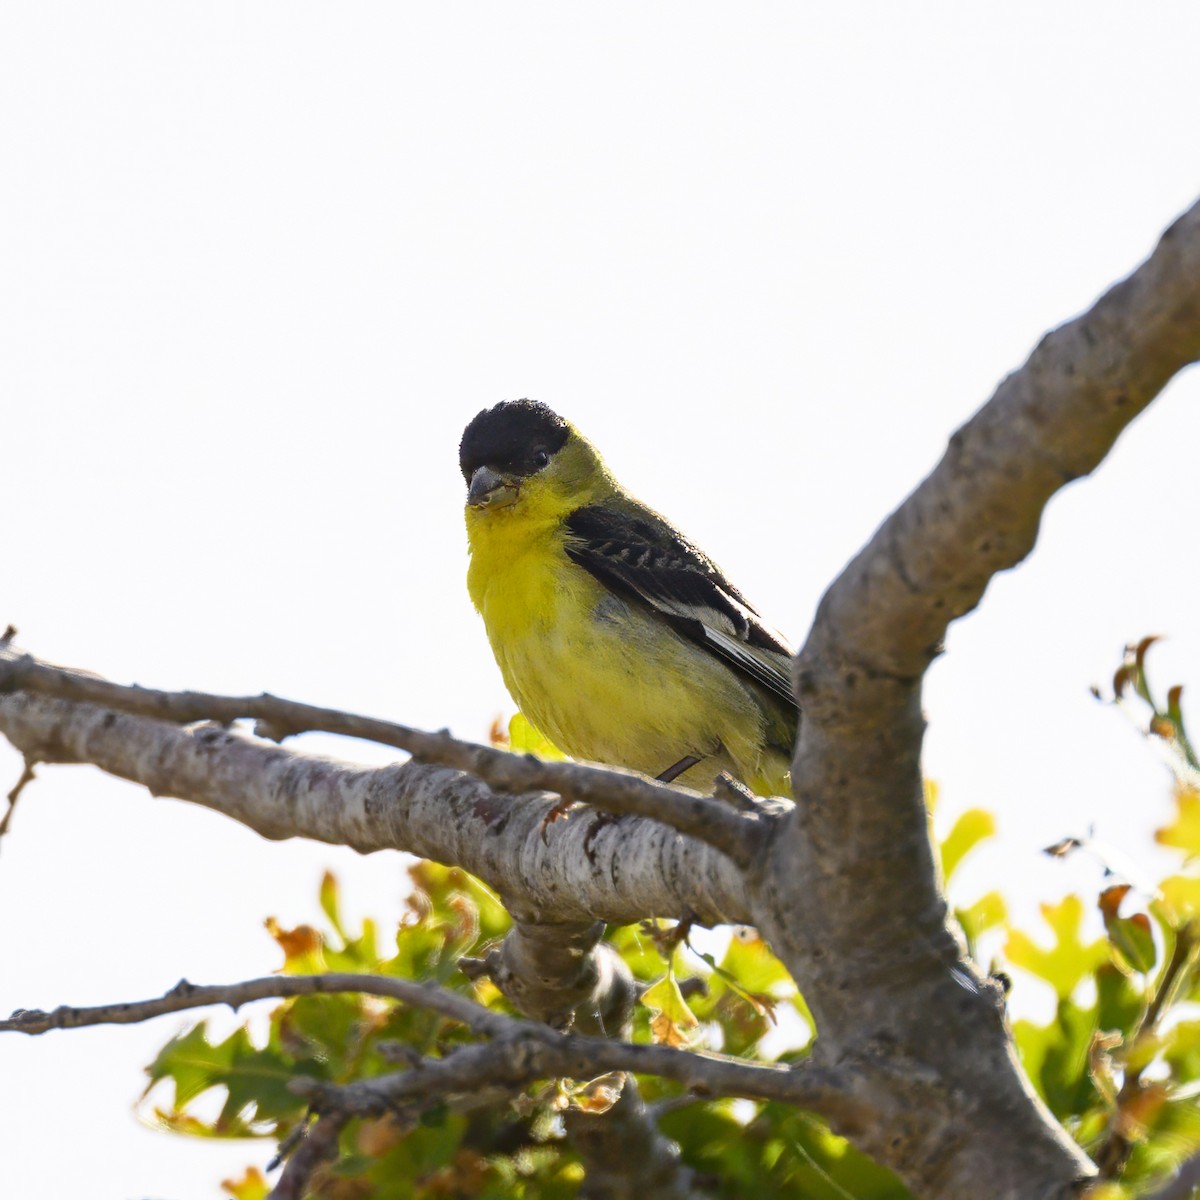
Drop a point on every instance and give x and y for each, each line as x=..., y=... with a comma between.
x=185, y=996
x=610, y=789
x=27, y=776
x=566, y=976
x=535, y=1052
x=318, y=1146
x=562, y=974
x=867, y=936
x=579, y=868
x=521, y=1051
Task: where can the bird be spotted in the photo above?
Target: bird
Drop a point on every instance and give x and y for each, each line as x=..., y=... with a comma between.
x=619, y=640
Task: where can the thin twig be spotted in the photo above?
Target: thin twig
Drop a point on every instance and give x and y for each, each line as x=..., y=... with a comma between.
x=1113, y=1152
x=185, y=995
x=27, y=777
x=319, y=1145
x=298, y=1133
x=535, y=1052
x=521, y=1052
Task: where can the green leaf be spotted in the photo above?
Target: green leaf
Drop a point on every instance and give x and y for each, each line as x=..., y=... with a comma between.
x=1055, y=1057
x=743, y=991
x=674, y=1024
x=932, y=796
x=1070, y=959
x=255, y=1080
x=1119, y=1001
x=1132, y=936
x=360, y=954
x=1184, y=831
x=749, y=961
x=320, y=1029
x=972, y=828
x=986, y=913
x=1181, y=1051
x=524, y=738
x=819, y=1165
x=328, y=897
x=1109, y=1191
x=639, y=951
x=191, y=1061
x=1180, y=898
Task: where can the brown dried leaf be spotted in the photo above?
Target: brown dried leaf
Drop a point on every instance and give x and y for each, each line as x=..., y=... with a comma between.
x=600, y=1094
x=666, y=1033
x=1110, y=900
x=1063, y=847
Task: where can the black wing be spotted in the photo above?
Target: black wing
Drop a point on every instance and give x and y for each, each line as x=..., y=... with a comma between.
x=645, y=558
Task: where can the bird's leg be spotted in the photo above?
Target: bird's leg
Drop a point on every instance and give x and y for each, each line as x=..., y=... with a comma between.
x=686, y=763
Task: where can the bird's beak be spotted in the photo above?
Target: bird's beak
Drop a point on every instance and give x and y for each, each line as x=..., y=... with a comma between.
x=490, y=490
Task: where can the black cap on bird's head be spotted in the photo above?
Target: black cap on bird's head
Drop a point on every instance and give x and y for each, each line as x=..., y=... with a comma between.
x=515, y=438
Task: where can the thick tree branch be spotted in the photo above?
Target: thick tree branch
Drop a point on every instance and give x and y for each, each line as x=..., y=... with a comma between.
x=738, y=834
x=978, y=512
x=566, y=976
x=867, y=936
x=580, y=868
x=562, y=974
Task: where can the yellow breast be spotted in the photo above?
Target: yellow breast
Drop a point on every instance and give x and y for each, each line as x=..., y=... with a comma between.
x=603, y=678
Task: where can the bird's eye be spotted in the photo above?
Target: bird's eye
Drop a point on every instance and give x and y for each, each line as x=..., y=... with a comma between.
x=540, y=458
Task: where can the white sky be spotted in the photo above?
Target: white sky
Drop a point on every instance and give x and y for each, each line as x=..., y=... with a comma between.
x=261, y=262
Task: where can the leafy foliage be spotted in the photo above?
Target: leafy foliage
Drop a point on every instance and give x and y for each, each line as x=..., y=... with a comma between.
x=1118, y=1061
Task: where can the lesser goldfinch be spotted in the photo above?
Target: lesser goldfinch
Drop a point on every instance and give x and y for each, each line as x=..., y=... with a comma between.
x=619, y=640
